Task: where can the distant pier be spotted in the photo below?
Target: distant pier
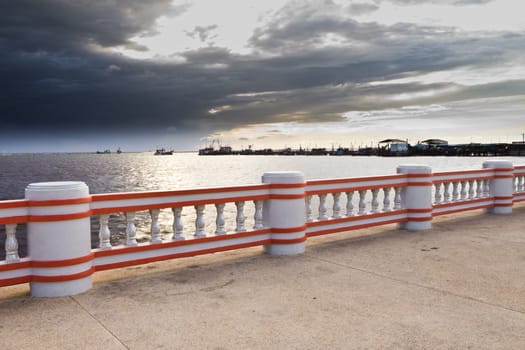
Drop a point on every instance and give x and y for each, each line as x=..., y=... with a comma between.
x=387, y=148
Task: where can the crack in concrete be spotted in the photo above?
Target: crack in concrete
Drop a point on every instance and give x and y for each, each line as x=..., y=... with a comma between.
x=466, y=297
x=99, y=322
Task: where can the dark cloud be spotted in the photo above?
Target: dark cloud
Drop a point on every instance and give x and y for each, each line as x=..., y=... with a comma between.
x=57, y=73
x=58, y=25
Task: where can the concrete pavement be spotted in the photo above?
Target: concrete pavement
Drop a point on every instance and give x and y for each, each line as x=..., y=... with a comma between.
x=460, y=285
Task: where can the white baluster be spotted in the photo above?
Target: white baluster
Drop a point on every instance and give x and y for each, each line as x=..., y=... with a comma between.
x=397, y=198
x=437, y=194
x=479, y=188
x=200, y=224
x=455, y=191
x=219, y=221
x=362, y=204
x=177, y=224
x=446, y=192
x=471, y=189
x=322, y=207
x=375, y=201
x=386, y=199
x=521, y=183
x=336, y=209
x=131, y=230
x=349, y=204
x=486, y=188
x=463, y=190
x=240, y=217
x=155, y=226
x=308, y=208
x=11, y=244
x=104, y=234
x=258, y=216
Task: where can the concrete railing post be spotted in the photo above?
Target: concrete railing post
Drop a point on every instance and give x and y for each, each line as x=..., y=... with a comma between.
x=284, y=212
x=416, y=197
x=501, y=186
x=58, y=237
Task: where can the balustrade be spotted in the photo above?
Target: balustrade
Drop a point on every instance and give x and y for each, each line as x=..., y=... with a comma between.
x=371, y=201
x=178, y=224
x=460, y=190
x=329, y=206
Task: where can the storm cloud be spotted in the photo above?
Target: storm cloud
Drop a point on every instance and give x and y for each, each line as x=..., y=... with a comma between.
x=309, y=62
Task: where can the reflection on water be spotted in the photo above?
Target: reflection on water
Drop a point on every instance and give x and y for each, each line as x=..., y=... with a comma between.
x=124, y=172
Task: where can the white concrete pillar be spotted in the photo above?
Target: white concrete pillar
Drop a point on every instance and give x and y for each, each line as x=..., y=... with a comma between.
x=416, y=198
x=59, y=238
x=284, y=212
x=501, y=186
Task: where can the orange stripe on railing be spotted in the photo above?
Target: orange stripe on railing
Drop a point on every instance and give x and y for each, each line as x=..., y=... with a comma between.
x=288, y=241
x=296, y=185
x=503, y=198
x=62, y=263
x=463, y=172
x=355, y=179
x=109, y=210
x=287, y=196
x=356, y=218
x=435, y=181
x=61, y=217
x=55, y=202
x=17, y=203
x=14, y=280
x=356, y=188
x=45, y=279
x=14, y=219
x=15, y=266
x=453, y=211
x=153, y=194
x=418, y=175
x=416, y=211
x=178, y=255
x=288, y=229
x=355, y=227
x=462, y=202
x=63, y=278
x=140, y=248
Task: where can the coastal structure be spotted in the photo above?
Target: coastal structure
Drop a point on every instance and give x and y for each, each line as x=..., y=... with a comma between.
x=285, y=211
x=387, y=148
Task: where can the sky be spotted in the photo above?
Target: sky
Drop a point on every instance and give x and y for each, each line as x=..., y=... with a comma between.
x=90, y=75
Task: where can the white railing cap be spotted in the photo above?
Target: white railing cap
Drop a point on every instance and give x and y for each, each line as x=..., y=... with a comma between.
x=283, y=177
x=56, y=190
